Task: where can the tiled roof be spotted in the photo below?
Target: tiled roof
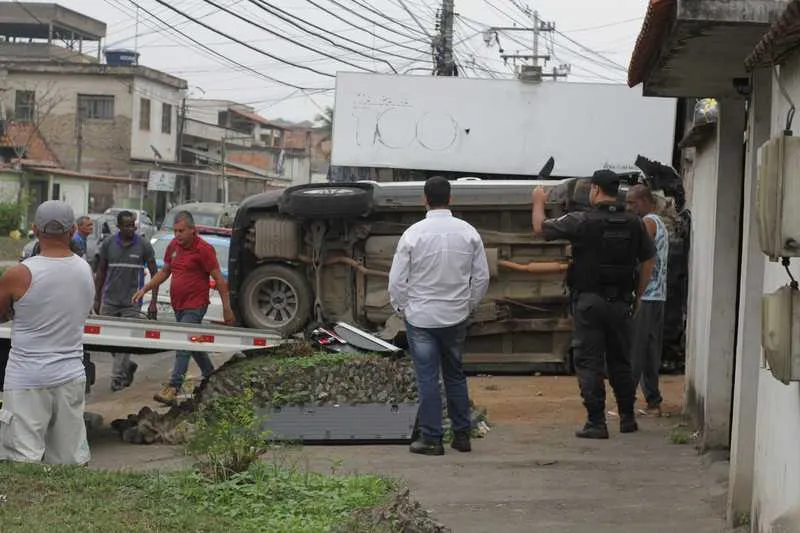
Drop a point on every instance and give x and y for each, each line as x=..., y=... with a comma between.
x=657, y=23
x=782, y=38
x=253, y=117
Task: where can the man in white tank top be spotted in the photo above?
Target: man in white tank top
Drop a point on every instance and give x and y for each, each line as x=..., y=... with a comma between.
x=48, y=297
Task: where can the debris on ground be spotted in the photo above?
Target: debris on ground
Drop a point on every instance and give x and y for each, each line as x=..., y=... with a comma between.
x=401, y=515
x=292, y=375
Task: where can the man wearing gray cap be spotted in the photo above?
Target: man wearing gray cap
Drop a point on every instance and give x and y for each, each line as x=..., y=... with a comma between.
x=611, y=249
x=49, y=297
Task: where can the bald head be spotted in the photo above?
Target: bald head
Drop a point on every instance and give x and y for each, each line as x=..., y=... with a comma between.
x=640, y=200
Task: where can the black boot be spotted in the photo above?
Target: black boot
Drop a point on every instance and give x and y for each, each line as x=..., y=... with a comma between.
x=593, y=430
x=461, y=441
x=627, y=423
x=423, y=446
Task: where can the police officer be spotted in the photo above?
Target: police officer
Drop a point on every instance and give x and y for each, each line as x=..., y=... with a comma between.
x=612, y=260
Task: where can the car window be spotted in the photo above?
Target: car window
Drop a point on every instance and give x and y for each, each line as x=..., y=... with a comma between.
x=200, y=218
x=146, y=220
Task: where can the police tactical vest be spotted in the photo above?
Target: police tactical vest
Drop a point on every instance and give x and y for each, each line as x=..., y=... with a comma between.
x=605, y=253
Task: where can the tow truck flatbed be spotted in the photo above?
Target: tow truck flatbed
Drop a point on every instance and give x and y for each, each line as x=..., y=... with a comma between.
x=133, y=335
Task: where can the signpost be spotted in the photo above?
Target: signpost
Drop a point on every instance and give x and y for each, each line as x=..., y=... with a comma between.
x=161, y=181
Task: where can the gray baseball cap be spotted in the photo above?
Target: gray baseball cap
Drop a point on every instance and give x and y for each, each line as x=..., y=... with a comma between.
x=54, y=217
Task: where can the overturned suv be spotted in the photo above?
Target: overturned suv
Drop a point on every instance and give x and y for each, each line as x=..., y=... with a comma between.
x=313, y=254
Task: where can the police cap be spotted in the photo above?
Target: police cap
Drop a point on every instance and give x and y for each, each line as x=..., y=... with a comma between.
x=605, y=177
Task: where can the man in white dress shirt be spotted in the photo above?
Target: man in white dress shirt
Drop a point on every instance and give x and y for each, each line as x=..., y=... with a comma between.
x=438, y=277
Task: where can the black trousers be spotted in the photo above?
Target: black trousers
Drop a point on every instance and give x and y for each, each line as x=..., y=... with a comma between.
x=601, y=340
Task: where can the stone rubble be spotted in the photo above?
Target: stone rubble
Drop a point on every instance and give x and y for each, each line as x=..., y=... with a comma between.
x=288, y=381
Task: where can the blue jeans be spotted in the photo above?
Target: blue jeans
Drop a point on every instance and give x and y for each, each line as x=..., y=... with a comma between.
x=432, y=348
x=190, y=316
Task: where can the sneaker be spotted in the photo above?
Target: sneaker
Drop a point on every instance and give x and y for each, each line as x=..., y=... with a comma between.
x=117, y=385
x=653, y=410
x=426, y=447
x=628, y=424
x=593, y=431
x=131, y=372
x=461, y=442
x=167, y=396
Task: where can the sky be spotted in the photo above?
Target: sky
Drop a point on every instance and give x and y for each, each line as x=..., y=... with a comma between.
x=295, y=80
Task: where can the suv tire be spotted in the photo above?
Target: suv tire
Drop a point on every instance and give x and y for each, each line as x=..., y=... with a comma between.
x=278, y=298
x=329, y=201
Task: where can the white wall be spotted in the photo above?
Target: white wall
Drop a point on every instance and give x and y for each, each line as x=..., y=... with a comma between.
x=701, y=266
x=713, y=282
x=57, y=94
x=751, y=287
x=776, y=472
x=141, y=140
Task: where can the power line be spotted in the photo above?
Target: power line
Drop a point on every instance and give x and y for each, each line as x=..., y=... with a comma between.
x=209, y=49
x=289, y=39
x=609, y=25
x=349, y=23
x=263, y=5
x=387, y=17
x=372, y=21
x=255, y=49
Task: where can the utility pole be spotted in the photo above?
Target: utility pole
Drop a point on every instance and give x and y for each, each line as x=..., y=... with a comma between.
x=224, y=176
x=443, y=42
x=533, y=72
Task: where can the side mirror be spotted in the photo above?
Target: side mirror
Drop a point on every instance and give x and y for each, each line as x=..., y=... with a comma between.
x=106, y=229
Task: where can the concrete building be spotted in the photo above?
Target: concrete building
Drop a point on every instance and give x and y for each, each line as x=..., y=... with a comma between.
x=118, y=120
x=253, y=148
x=726, y=50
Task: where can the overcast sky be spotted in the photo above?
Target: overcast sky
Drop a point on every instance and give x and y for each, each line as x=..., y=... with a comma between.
x=595, y=37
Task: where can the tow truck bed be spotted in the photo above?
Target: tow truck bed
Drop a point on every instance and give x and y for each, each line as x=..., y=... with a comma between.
x=148, y=336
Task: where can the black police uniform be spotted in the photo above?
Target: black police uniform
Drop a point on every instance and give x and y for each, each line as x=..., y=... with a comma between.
x=608, y=244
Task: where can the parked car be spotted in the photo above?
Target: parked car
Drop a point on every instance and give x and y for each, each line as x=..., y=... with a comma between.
x=144, y=222
x=210, y=214
x=220, y=239
x=104, y=227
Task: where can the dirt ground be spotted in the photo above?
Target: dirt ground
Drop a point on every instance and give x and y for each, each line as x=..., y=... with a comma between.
x=528, y=475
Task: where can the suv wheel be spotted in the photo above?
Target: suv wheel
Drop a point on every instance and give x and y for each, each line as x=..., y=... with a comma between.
x=278, y=298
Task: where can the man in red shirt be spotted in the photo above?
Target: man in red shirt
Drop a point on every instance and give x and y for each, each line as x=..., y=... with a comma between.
x=190, y=260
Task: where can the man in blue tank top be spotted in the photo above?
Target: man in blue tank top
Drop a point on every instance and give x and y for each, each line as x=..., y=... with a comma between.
x=648, y=322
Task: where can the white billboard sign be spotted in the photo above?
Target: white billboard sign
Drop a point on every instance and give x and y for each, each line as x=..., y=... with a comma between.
x=496, y=126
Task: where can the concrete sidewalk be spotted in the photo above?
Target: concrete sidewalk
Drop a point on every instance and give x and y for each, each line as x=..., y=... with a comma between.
x=515, y=481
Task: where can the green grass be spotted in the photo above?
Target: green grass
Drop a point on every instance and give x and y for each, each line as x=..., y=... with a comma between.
x=40, y=499
x=680, y=435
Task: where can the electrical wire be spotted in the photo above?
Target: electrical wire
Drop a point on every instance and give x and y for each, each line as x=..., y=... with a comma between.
x=352, y=24
x=251, y=47
x=289, y=39
x=214, y=52
x=609, y=25
x=609, y=63
x=372, y=21
x=390, y=19
x=271, y=9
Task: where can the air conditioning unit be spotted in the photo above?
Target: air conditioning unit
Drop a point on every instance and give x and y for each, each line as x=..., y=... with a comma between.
x=778, y=215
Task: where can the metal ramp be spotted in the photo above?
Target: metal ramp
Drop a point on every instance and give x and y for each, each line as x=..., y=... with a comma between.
x=342, y=424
